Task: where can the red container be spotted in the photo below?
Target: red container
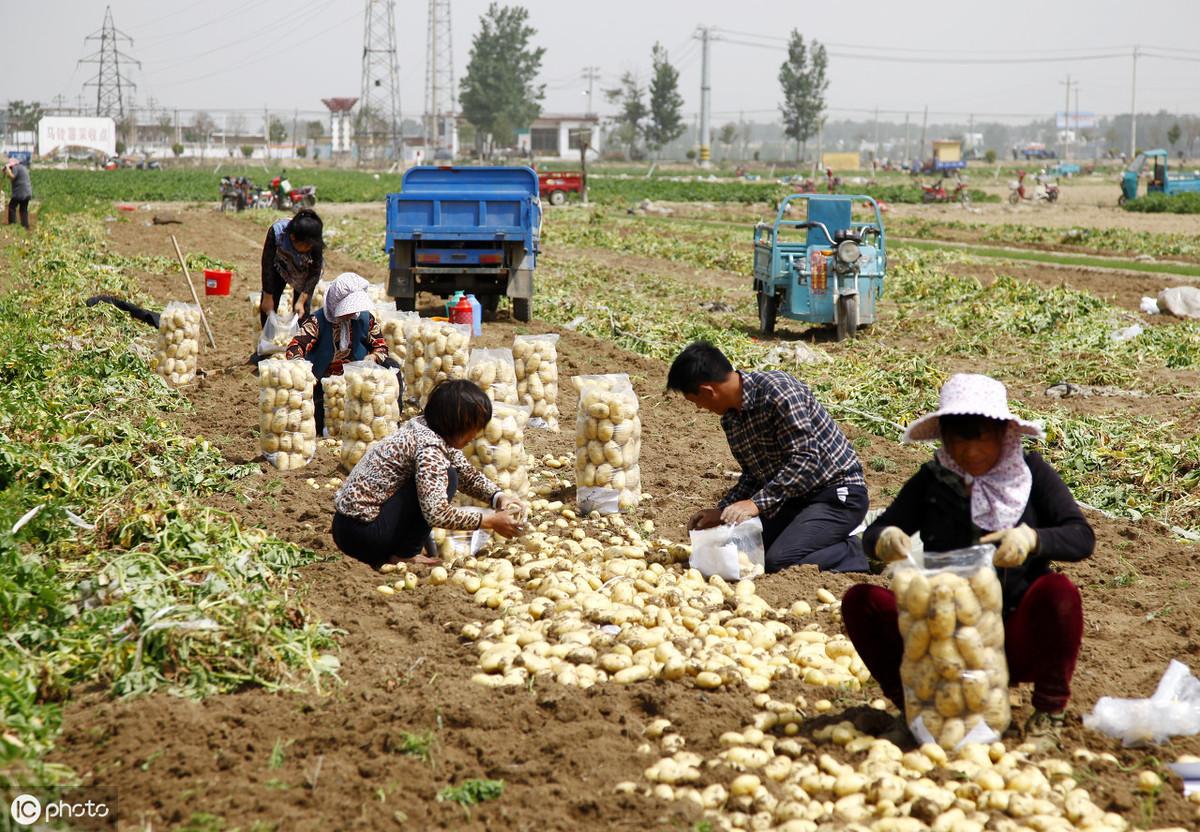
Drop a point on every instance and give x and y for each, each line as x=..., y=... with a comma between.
x=461, y=313
x=217, y=282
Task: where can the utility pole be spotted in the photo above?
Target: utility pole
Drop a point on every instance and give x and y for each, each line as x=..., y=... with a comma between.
x=440, y=96
x=178, y=136
x=110, y=84
x=906, y=138
x=971, y=132
x=1066, y=143
x=591, y=74
x=1077, y=128
x=705, y=98
x=295, y=118
x=921, y=149
x=266, y=134
x=1133, y=109
x=379, y=95
x=875, y=152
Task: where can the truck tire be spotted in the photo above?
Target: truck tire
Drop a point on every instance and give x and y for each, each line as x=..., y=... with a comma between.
x=847, y=319
x=406, y=304
x=768, y=311
x=521, y=309
x=558, y=197
x=489, y=303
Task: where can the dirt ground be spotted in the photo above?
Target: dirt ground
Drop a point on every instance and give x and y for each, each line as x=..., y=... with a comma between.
x=559, y=750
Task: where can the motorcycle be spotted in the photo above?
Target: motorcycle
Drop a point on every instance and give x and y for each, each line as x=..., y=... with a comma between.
x=238, y=193
x=1043, y=192
x=938, y=193
x=292, y=199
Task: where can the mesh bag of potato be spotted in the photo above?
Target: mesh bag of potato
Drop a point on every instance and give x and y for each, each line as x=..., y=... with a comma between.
x=393, y=324
x=498, y=452
x=178, y=343
x=335, y=405
x=438, y=351
x=535, y=361
x=608, y=443
x=287, y=427
x=372, y=408
x=277, y=333
x=318, y=296
x=954, y=671
x=495, y=373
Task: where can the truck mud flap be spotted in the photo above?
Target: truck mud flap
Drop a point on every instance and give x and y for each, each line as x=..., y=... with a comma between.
x=520, y=283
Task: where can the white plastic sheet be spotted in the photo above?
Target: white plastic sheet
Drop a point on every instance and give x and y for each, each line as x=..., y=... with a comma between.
x=1173, y=711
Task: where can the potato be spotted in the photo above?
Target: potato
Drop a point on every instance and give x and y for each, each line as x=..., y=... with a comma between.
x=949, y=699
x=287, y=435
x=607, y=434
x=970, y=647
x=916, y=599
x=178, y=343
x=941, y=612
x=495, y=373
x=967, y=605
x=916, y=644
x=536, y=369
x=499, y=450
x=371, y=409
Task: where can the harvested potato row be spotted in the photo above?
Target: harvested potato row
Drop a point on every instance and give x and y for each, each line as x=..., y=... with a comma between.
x=178, y=343
x=372, y=408
x=954, y=671
x=608, y=440
x=438, y=351
x=335, y=404
x=535, y=362
x=287, y=423
x=495, y=373
x=499, y=449
x=393, y=326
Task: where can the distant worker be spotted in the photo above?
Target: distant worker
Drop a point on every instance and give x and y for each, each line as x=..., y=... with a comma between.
x=293, y=255
x=22, y=191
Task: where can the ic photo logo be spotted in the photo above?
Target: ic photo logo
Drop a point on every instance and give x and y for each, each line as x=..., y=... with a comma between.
x=25, y=809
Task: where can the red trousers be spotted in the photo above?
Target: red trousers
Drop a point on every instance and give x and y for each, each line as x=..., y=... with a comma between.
x=1041, y=638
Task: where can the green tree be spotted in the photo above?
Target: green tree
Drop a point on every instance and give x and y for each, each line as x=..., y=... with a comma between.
x=666, y=104
x=499, y=93
x=1174, y=134
x=802, y=77
x=728, y=135
x=277, y=130
x=630, y=98
x=24, y=115
x=177, y=149
x=314, y=130
x=202, y=125
x=247, y=150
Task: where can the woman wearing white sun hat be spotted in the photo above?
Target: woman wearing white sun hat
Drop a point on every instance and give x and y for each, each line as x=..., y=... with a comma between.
x=983, y=487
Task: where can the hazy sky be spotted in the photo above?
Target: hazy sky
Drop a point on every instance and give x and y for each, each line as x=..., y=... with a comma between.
x=286, y=54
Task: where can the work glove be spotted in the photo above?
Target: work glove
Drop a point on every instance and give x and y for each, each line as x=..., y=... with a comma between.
x=1013, y=545
x=893, y=544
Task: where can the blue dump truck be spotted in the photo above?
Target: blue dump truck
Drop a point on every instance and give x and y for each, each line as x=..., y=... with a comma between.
x=470, y=229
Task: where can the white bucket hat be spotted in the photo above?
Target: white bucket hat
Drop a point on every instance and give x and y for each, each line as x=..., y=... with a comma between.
x=969, y=394
x=347, y=295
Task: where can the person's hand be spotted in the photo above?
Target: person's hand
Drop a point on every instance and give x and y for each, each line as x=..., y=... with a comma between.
x=735, y=513
x=1013, y=546
x=893, y=544
x=298, y=307
x=705, y=518
x=503, y=524
x=267, y=304
x=510, y=504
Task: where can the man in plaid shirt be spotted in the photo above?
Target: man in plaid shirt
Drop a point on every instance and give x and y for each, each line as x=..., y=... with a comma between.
x=799, y=472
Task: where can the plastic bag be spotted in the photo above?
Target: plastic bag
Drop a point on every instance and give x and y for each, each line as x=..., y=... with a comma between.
x=453, y=544
x=954, y=670
x=733, y=552
x=277, y=333
x=438, y=351
x=535, y=360
x=372, y=408
x=498, y=452
x=178, y=343
x=495, y=373
x=335, y=405
x=1172, y=711
x=393, y=325
x=608, y=444
x=287, y=424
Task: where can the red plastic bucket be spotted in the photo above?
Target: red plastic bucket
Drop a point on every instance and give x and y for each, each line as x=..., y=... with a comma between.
x=217, y=282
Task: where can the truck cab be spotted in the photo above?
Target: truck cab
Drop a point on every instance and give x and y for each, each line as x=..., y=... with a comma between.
x=1159, y=180
x=469, y=229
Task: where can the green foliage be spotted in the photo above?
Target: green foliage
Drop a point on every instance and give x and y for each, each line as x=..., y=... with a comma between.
x=472, y=792
x=277, y=130
x=417, y=745
x=629, y=99
x=499, y=93
x=803, y=81
x=177, y=149
x=24, y=115
x=1158, y=203
x=247, y=150
x=666, y=104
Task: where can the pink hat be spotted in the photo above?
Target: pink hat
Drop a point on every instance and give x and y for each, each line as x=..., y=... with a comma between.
x=347, y=295
x=969, y=394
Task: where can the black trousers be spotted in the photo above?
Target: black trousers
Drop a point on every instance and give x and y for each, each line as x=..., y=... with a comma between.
x=13, y=205
x=816, y=530
x=400, y=530
x=273, y=285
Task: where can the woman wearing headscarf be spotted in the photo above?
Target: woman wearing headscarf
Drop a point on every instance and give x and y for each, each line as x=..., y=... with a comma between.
x=982, y=487
x=343, y=330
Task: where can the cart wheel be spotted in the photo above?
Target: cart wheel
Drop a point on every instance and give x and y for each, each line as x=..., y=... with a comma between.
x=489, y=304
x=964, y=199
x=847, y=322
x=557, y=197
x=1014, y=198
x=228, y=204
x=407, y=304
x=521, y=309
x=1121, y=201
x=768, y=310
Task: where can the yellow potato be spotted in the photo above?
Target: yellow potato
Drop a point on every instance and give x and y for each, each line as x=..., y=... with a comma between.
x=916, y=600
x=916, y=644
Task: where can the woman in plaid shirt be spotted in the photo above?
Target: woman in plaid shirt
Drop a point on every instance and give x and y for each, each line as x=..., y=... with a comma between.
x=799, y=473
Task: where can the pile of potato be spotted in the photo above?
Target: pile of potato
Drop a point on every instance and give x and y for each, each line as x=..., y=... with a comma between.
x=499, y=449
x=954, y=671
x=495, y=373
x=178, y=343
x=335, y=404
x=287, y=427
x=438, y=351
x=372, y=408
x=608, y=440
x=535, y=361
x=317, y=300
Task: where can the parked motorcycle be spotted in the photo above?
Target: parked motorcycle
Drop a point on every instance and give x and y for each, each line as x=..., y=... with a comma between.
x=238, y=193
x=938, y=193
x=1042, y=192
x=292, y=199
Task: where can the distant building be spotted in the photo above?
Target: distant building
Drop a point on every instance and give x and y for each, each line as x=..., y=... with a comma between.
x=556, y=136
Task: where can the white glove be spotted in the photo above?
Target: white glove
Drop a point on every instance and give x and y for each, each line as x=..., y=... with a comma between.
x=1013, y=545
x=892, y=544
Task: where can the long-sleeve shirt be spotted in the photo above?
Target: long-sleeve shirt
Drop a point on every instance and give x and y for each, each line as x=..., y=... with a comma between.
x=787, y=444
x=935, y=502
x=21, y=187
x=305, y=341
x=414, y=451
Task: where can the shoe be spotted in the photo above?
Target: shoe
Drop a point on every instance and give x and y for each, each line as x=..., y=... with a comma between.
x=1043, y=730
x=898, y=734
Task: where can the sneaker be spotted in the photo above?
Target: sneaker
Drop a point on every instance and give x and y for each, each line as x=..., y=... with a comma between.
x=1043, y=730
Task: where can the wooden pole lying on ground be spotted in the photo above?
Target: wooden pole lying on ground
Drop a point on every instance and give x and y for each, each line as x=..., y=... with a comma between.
x=212, y=342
